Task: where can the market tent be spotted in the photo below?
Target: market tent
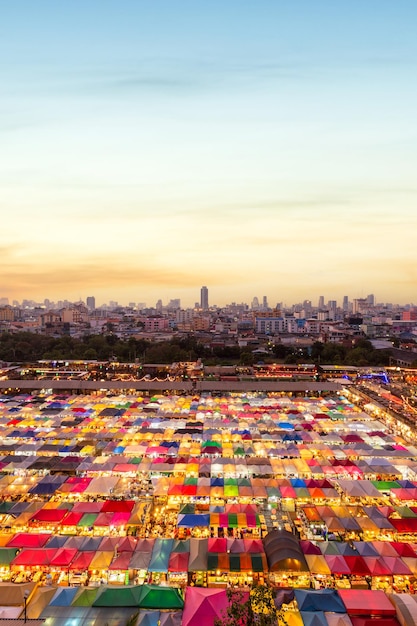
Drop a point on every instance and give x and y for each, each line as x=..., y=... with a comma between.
x=140, y=560
x=33, y=558
x=64, y=596
x=158, y=597
x=321, y=600
x=192, y=520
x=118, y=597
x=313, y=618
x=370, y=621
x=40, y=600
x=7, y=555
x=171, y=618
x=406, y=608
x=148, y=618
x=317, y=564
x=121, y=562
x=338, y=619
x=89, y=544
x=86, y=597
x=283, y=552
x=63, y=557
x=101, y=560
x=57, y=541
x=366, y=602
x=181, y=545
x=198, y=555
x=14, y=594
x=178, y=562
x=203, y=606
x=160, y=555
x=127, y=544
x=28, y=540
x=337, y=564
x=82, y=561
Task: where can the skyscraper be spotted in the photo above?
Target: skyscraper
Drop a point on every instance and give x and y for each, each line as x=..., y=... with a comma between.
x=91, y=303
x=204, y=298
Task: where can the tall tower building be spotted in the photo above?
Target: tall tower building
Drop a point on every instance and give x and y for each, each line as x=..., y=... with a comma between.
x=345, y=305
x=321, y=302
x=91, y=303
x=204, y=303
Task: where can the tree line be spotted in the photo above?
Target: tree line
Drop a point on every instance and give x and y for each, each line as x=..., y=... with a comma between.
x=30, y=347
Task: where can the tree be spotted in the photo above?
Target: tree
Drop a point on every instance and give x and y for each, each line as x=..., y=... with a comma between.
x=256, y=610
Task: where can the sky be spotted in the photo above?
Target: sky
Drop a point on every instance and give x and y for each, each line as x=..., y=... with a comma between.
x=149, y=147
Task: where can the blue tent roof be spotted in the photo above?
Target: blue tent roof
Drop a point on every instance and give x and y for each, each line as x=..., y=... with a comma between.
x=64, y=596
x=314, y=618
x=190, y=520
x=160, y=555
x=320, y=600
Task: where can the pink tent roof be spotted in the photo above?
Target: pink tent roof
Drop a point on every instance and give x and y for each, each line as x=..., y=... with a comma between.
x=217, y=544
x=337, y=564
x=127, y=544
x=203, y=606
x=87, y=507
x=121, y=562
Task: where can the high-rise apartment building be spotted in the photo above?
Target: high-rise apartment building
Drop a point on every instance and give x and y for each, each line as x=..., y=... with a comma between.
x=321, y=302
x=204, y=302
x=91, y=303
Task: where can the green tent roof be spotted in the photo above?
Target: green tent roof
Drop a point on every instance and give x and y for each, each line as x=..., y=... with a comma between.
x=157, y=597
x=386, y=485
x=118, y=596
x=87, y=519
x=7, y=555
x=86, y=597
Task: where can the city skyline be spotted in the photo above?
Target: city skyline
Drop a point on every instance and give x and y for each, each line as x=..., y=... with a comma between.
x=151, y=148
x=253, y=303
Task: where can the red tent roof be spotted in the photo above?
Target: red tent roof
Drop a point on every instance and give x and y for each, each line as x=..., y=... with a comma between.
x=82, y=560
x=121, y=562
x=63, y=557
x=28, y=540
x=118, y=506
x=368, y=621
x=52, y=516
x=178, y=562
x=31, y=558
x=366, y=602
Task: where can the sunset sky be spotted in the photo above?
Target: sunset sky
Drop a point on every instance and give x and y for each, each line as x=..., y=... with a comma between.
x=259, y=148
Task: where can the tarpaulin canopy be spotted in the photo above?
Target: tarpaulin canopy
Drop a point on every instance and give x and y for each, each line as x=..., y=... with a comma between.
x=118, y=596
x=366, y=602
x=203, y=606
x=178, y=562
x=159, y=597
x=320, y=600
x=406, y=608
x=160, y=555
x=28, y=540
